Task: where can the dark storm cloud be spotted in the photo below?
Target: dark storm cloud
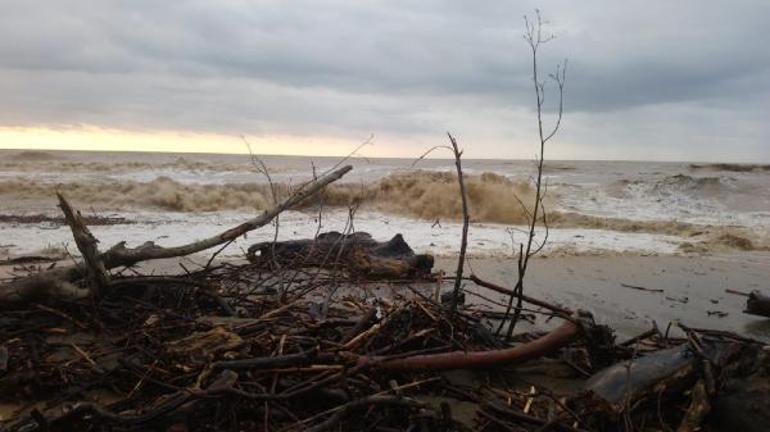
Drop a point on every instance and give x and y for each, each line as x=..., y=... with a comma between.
x=410, y=68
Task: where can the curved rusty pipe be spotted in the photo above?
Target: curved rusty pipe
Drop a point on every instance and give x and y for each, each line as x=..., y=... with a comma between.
x=552, y=341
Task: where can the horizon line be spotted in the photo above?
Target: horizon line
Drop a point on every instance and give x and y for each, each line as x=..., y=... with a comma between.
x=6, y=149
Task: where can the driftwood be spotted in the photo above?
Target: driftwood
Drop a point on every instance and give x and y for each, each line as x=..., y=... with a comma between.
x=557, y=310
x=86, y=243
x=59, y=280
x=278, y=365
x=758, y=303
x=744, y=404
x=356, y=253
x=672, y=370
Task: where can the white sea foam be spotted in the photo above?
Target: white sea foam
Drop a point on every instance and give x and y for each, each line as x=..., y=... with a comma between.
x=173, y=229
x=594, y=206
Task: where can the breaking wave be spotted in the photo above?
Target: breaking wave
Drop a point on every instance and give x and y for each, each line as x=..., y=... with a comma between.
x=722, y=240
x=436, y=195
x=731, y=167
x=684, y=183
x=577, y=220
x=427, y=195
x=33, y=156
x=422, y=194
x=162, y=193
x=34, y=161
x=673, y=185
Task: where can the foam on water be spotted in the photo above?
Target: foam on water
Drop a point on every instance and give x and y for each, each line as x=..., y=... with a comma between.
x=640, y=206
x=173, y=229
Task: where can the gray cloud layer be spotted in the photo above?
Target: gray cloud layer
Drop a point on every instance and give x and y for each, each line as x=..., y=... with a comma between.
x=647, y=79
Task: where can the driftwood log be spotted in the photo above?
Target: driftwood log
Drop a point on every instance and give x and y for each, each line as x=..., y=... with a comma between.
x=758, y=304
x=671, y=371
x=356, y=253
x=59, y=281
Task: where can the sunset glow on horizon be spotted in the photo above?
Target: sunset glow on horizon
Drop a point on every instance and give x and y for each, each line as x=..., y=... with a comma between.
x=88, y=138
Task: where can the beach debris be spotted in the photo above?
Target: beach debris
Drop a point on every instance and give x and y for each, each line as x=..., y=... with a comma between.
x=357, y=253
x=744, y=404
x=624, y=384
x=641, y=288
x=717, y=313
x=758, y=303
x=173, y=358
x=682, y=299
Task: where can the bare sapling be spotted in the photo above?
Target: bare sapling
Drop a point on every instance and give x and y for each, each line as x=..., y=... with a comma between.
x=457, y=154
x=537, y=215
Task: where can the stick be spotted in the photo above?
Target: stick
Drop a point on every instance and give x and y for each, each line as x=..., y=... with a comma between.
x=641, y=288
x=502, y=290
x=736, y=292
x=466, y=221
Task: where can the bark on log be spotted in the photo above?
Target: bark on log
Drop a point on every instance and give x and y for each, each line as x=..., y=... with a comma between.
x=671, y=370
x=59, y=280
x=758, y=304
x=86, y=243
x=357, y=253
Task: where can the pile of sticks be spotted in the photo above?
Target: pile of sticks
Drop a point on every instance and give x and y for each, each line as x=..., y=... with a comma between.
x=218, y=349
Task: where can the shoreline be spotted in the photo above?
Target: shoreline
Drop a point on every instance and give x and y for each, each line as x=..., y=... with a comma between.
x=693, y=286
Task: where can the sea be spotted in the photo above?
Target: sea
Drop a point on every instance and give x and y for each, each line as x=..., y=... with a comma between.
x=591, y=207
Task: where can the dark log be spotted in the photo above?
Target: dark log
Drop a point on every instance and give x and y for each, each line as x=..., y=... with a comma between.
x=744, y=403
x=357, y=253
x=671, y=370
x=758, y=304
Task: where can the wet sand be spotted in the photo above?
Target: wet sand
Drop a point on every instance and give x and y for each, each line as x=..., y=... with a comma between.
x=692, y=287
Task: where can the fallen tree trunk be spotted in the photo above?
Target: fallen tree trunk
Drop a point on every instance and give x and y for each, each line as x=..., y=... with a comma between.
x=671, y=371
x=357, y=253
x=59, y=280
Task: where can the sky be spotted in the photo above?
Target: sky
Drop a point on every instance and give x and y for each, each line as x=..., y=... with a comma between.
x=647, y=80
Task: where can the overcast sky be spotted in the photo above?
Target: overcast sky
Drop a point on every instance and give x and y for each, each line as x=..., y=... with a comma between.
x=676, y=80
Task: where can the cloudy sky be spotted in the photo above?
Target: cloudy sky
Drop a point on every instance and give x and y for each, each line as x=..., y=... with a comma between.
x=662, y=80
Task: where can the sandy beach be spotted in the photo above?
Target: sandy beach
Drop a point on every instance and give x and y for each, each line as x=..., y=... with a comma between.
x=693, y=288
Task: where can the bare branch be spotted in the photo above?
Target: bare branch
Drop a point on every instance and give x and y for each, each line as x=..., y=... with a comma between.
x=86, y=243
x=466, y=220
x=533, y=35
